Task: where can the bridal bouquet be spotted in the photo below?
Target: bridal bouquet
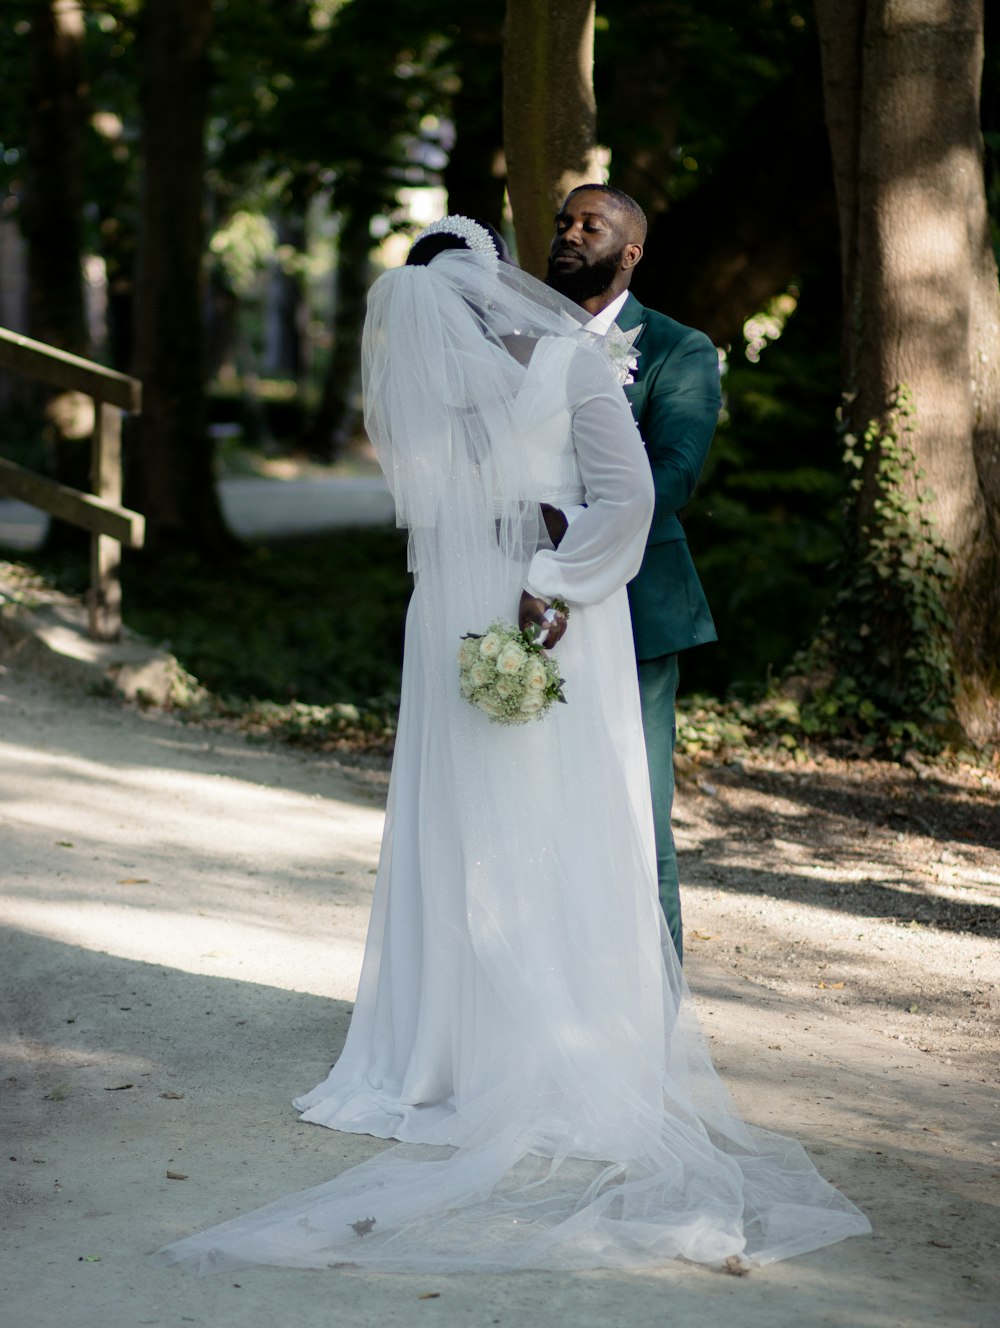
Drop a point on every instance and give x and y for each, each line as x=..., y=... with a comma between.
x=507, y=675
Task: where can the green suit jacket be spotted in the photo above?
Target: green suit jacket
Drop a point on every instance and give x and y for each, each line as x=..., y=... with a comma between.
x=675, y=399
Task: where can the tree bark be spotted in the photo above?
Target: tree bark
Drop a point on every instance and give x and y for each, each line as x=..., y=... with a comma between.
x=901, y=86
x=549, y=115
x=171, y=476
x=52, y=223
x=53, y=203
x=338, y=415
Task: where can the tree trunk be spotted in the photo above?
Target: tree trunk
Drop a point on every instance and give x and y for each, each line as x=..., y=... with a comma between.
x=549, y=115
x=901, y=85
x=171, y=473
x=53, y=204
x=53, y=228
x=474, y=173
x=338, y=415
x=283, y=300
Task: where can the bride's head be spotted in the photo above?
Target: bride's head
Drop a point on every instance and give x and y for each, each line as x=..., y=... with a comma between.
x=457, y=232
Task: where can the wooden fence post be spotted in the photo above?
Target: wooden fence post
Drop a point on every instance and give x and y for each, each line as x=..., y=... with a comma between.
x=100, y=511
x=104, y=598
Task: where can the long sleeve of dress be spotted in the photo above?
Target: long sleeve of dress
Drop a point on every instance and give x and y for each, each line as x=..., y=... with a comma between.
x=603, y=547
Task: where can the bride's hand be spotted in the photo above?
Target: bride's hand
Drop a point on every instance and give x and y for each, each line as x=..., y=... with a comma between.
x=538, y=613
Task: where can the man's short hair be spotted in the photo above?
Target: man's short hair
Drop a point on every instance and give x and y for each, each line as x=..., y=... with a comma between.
x=623, y=202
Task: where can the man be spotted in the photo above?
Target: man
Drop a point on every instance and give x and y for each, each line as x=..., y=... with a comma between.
x=675, y=398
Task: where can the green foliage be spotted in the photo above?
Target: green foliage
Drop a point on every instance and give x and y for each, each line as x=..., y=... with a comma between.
x=298, y=624
x=687, y=60
x=880, y=668
x=319, y=622
x=763, y=524
x=877, y=676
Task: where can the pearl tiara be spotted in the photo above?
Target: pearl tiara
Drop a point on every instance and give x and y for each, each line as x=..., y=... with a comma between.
x=475, y=236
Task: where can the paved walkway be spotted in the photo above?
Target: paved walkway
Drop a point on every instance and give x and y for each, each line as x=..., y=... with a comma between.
x=184, y=916
x=253, y=507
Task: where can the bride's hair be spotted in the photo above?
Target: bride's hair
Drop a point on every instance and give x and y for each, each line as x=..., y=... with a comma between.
x=427, y=247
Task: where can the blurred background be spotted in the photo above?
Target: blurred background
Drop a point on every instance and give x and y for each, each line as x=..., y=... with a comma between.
x=269, y=158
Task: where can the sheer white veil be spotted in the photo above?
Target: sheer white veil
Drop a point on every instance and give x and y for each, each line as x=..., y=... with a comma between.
x=591, y=1129
x=444, y=355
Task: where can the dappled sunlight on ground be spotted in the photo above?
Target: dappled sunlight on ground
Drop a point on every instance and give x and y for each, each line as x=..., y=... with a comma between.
x=178, y=851
x=185, y=918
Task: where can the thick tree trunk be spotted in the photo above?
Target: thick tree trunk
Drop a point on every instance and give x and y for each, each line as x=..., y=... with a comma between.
x=171, y=476
x=901, y=84
x=549, y=115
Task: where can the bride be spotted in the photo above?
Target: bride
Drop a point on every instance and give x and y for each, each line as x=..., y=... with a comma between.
x=522, y=1025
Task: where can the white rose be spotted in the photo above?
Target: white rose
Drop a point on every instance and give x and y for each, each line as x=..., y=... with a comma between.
x=536, y=677
x=481, y=674
x=510, y=658
x=532, y=703
x=489, y=646
x=504, y=689
x=488, y=707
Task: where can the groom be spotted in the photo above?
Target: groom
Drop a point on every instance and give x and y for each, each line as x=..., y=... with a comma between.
x=674, y=394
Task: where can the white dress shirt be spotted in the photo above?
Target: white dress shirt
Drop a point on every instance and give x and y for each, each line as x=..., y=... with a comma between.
x=600, y=323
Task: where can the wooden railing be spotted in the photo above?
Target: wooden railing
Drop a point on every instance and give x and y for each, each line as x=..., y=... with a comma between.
x=100, y=511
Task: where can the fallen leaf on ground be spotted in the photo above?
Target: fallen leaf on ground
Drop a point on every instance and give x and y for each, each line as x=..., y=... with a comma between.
x=735, y=1266
x=174, y=1097
x=363, y=1226
x=429, y=1295
x=176, y=1175
x=942, y=1244
x=134, y=880
x=119, y=1088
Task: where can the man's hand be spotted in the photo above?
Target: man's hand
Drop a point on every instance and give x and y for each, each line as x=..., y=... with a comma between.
x=538, y=613
x=555, y=523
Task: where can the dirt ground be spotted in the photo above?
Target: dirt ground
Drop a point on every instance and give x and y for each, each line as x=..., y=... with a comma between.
x=184, y=915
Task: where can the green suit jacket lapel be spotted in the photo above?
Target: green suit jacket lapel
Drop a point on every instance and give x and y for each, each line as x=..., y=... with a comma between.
x=631, y=315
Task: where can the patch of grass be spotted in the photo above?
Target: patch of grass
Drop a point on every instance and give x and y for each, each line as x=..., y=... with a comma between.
x=317, y=622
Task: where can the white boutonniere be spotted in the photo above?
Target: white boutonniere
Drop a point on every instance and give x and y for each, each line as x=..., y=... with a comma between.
x=619, y=350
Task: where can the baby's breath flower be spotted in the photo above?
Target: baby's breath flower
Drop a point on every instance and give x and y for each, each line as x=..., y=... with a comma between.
x=507, y=675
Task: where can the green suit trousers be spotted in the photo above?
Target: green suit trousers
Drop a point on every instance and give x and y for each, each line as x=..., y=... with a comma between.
x=658, y=694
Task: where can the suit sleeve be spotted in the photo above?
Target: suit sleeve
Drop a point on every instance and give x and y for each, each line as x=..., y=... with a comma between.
x=679, y=419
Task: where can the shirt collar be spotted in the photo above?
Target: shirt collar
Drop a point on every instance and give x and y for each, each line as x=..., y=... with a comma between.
x=601, y=323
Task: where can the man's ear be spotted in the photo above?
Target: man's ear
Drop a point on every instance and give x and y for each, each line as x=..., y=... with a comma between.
x=630, y=256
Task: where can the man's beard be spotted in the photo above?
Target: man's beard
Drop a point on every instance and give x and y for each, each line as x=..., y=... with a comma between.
x=584, y=280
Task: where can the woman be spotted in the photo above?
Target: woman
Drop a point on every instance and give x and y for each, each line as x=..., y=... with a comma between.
x=522, y=1020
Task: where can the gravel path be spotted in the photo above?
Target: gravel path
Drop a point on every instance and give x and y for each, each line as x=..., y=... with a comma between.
x=184, y=915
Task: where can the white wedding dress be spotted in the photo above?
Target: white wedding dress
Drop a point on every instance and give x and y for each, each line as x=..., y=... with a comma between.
x=522, y=1023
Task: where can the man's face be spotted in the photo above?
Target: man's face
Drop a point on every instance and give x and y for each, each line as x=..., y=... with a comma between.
x=585, y=255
